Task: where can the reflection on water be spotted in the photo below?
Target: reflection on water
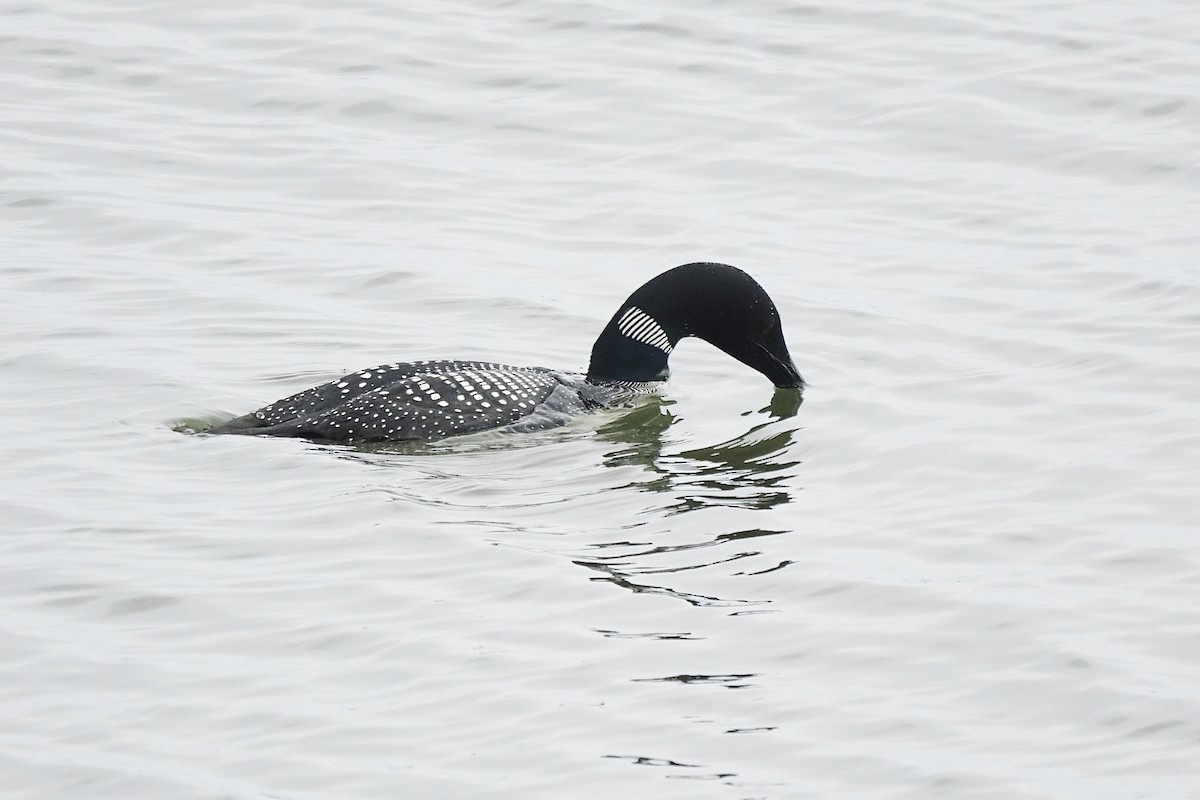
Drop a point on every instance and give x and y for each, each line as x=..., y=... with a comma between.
x=659, y=635
x=784, y=403
x=649, y=761
x=614, y=575
x=625, y=568
x=731, y=681
x=692, y=562
x=749, y=471
x=654, y=762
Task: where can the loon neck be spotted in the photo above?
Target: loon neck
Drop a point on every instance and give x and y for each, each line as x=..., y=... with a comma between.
x=715, y=302
x=632, y=348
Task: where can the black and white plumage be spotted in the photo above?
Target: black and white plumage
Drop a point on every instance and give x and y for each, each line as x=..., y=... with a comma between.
x=422, y=400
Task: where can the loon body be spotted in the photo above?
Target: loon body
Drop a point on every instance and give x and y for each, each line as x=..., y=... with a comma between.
x=420, y=400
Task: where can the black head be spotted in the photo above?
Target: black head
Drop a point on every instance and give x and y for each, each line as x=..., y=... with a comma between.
x=715, y=302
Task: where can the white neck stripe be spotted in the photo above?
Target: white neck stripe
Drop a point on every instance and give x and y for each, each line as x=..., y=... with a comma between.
x=641, y=327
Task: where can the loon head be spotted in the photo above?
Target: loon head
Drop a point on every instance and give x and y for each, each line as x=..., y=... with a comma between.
x=715, y=302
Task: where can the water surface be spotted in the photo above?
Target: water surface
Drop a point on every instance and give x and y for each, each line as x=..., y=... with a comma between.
x=965, y=567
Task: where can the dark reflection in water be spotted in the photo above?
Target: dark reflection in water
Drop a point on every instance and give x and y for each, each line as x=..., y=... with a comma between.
x=745, y=472
x=754, y=471
x=661, y=636
x=731, y=681
x=751, y=471
x=650, y=761
x=613, y=575
x=625, y=569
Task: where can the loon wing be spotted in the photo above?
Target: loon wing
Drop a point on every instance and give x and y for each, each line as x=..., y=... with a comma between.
x=319, y=399
x=413, y=400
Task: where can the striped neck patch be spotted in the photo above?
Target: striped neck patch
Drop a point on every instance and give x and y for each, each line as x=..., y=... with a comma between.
x=641, y=327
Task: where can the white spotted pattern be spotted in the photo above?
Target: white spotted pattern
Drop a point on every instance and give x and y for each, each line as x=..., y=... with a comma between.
x=405, y=401
x=641, y=327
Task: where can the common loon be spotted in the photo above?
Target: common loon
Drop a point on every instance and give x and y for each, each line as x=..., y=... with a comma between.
x=423, y=400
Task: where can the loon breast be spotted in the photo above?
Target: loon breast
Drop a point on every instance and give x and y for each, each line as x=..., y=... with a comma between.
x=410, y=400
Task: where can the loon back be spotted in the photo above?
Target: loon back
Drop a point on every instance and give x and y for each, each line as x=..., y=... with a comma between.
x=422, y=400
x=406, y=401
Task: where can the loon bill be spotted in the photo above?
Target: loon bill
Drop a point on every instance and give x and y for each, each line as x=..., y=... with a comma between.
x=423, y=400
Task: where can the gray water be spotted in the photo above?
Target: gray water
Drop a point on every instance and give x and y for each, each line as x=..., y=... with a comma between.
x=968, y=566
